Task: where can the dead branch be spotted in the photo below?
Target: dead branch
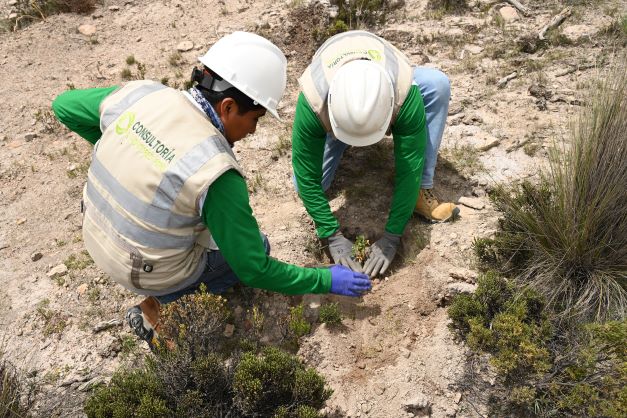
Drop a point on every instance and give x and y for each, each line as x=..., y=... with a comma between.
x=503, y=81
x=574, y=68
x=519, y=6
x=555, y=22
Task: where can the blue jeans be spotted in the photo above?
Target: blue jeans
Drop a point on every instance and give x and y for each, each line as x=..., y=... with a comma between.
x=218, y=276
x=435, y=88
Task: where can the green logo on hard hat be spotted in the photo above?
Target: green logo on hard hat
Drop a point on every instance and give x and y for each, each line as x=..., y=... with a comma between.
x=374, y=54
x=124, y=123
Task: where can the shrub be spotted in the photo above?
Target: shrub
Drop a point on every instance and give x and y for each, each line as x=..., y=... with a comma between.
x=330, y=314
x=273, y=380
x=567, y=235
x=135, y=393
x=540, y=371
x=195, y=322
x=196, y=372
x=298, y=326
x=356, y=14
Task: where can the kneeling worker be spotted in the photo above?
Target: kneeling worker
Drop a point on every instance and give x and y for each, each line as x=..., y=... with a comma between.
x=166, y=206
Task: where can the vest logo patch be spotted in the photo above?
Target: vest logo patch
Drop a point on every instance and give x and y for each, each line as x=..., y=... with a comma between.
x=369, y=54
x=143, y=140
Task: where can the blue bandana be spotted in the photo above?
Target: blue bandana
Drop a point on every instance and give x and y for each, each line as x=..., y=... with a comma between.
x=207, y=108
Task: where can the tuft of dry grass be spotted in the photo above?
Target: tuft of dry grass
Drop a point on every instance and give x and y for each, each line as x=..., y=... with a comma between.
x=567, y=236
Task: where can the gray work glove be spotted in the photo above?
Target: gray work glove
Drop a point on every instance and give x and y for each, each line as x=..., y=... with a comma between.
x=382, y=253
x=341, y=250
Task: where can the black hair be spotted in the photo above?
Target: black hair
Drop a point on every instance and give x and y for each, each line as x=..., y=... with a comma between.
x=205, y=78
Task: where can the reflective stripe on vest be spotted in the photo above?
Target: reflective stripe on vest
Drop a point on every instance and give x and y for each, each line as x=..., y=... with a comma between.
x=176, y=176
x=133, y=231
x=116, y=110
x=317, y=73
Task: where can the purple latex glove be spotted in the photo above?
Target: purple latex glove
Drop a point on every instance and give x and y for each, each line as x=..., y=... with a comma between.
x=347, y=282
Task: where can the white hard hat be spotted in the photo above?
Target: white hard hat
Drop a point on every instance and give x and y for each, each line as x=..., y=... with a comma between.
x=361, y=102
x=252, y=64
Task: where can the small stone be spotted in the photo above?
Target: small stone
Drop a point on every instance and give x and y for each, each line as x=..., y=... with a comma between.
x=29, y=136
x=12, y=15
x=474, y=49
x=114, y=8
x=81, y=289
x=139, y=39
x=185, y=46
x=97, y=15
x=229, y=329
x=12, y=2
x=87, y=29
x=458, y=397
x=101, y=326
x=19, y=332
x=20, y=221
x=472, y=202
x=36, y=256
x=509, y=14
x=58, y=271
x=419, y=403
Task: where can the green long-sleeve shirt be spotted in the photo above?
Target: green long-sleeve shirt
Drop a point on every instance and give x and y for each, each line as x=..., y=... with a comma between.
x=410, y=139
x=226, y=211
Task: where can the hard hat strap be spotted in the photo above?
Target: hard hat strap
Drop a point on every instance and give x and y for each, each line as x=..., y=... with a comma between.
x=209, y=81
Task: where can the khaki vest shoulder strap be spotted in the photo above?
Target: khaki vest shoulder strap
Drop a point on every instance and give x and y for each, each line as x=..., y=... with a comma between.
x=343, y=48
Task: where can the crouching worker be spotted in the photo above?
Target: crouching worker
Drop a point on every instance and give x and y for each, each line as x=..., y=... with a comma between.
x=166, y=206
x=357, y=88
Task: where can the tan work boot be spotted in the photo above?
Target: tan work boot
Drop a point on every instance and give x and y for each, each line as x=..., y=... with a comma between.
x=430, y=208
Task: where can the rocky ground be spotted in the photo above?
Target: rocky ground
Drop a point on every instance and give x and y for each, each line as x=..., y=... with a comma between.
x=60, y=317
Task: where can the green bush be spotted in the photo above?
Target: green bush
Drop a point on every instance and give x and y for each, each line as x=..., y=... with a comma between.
x=263, y=383
x=298, y=326
x=567, y=235
x=196, y=372
x=135, y=393
x=330, y=314
x=542, y=369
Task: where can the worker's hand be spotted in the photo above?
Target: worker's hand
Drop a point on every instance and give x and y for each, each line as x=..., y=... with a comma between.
x=382, y=253
x=341, y=250
x=347, y=282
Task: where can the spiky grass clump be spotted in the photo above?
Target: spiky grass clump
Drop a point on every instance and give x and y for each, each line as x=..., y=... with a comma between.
x=13, y=392
x=567, y=236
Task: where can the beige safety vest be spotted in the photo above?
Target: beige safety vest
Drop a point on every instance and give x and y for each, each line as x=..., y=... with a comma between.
x=346, y=47
x=157, y=156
